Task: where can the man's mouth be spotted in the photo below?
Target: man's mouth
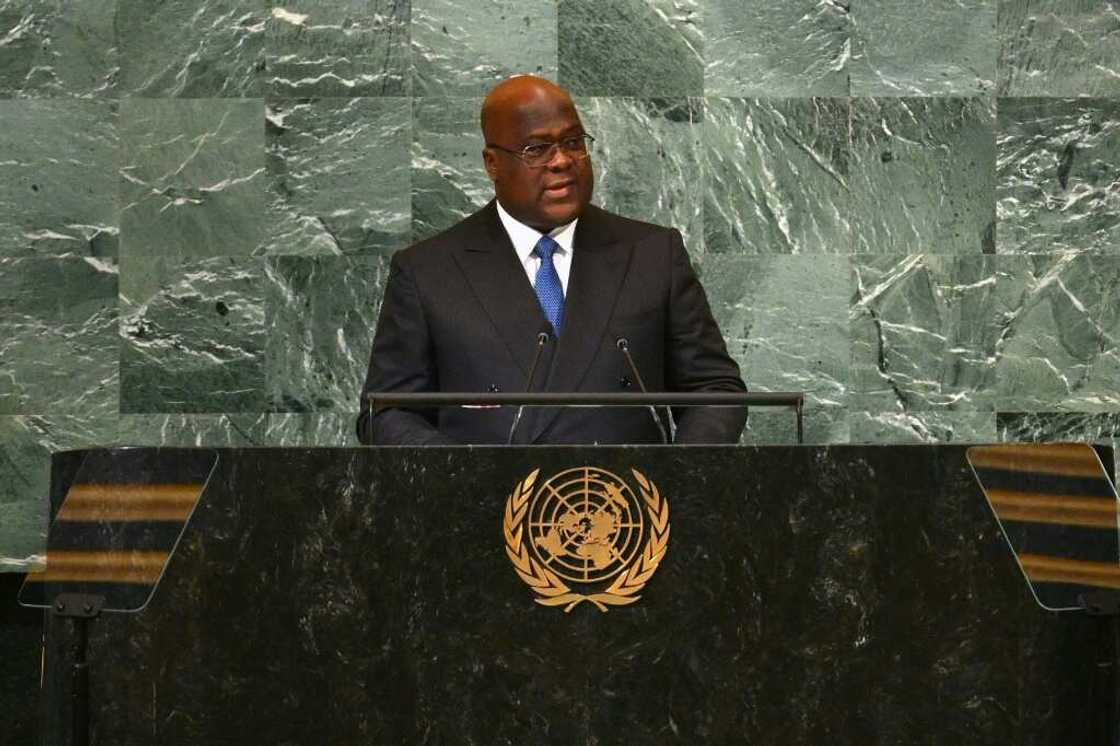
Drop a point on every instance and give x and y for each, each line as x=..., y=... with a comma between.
x=560, y=189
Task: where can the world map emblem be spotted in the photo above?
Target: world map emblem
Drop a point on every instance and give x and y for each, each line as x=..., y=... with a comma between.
x=585, y=534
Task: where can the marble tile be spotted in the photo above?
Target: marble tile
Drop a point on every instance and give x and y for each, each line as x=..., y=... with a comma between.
x=631, y=47
x=192, y=177
x=925, y=329
x=26, y=444
x=321, y=314
x=52, y=433
x=58, y=321
x=923, y=175
x=338, y=176
x=191, y=48
x=932, y=49
x=341, y=48
x=330, y=429
x=54, y=49
x=58, y=160
x=922, y=427
x=1058, y=48
x=780, y=48
x=190, y=430
x=767, y=427
x=23, y=535
x=1059, y=347
x=1043, y=427
x=448, y=179
x=463, y=49
x=1056, y=175
x=647, y=160
x=776, y=176
x=938, y=340
x=784, y=319
x=193, y=336
x=1059, y=426
x=24, y=492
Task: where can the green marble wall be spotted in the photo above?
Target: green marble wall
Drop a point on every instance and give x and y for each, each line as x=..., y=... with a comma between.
x=908, y=210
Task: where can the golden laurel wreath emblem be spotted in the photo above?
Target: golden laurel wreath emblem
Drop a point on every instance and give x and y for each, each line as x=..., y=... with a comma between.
x=583, y=535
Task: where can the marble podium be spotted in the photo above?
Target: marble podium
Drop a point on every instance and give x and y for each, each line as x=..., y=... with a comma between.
x=843, y=594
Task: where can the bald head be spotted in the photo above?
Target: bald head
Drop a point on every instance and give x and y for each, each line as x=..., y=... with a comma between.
x=531, y=111
x=514, y=94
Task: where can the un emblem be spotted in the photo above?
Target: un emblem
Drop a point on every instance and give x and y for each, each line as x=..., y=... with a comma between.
x=584, y=535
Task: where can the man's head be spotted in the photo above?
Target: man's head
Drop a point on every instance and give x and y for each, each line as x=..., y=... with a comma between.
x=523, y=111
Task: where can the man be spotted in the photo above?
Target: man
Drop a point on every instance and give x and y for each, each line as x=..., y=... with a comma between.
x=464, y=310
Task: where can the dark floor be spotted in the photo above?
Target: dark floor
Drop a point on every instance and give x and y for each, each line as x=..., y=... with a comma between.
x=21, y=632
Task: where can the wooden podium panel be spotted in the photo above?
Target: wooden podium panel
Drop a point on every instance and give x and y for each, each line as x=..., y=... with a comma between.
x=844, y=594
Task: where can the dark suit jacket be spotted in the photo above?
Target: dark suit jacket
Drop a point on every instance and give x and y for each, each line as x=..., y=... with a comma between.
x=460, y=315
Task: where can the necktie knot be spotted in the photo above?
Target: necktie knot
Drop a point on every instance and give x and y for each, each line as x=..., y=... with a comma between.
x=546, y=247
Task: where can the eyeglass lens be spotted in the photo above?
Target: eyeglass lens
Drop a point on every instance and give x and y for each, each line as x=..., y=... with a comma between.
x=542, y=153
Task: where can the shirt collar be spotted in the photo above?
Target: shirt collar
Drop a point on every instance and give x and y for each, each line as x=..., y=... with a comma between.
x=524, y=238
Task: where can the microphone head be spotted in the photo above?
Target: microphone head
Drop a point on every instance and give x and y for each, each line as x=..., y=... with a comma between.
x=622, y=343
x=542, y=338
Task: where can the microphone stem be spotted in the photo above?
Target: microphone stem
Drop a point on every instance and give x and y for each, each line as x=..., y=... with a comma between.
x=624, y=345
x=542, y=340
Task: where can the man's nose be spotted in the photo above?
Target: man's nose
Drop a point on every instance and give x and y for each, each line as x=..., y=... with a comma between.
x=561, y=159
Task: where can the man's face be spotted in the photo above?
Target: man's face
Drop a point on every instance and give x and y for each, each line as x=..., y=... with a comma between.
x=549, y=195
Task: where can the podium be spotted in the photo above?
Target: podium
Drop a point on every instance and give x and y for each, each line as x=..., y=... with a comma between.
x=848, y=594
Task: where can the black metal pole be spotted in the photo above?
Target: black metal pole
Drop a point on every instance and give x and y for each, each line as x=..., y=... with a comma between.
x=80, y=607
x=795, y=400
x=79, y=735
x=1113, y=692
x=379, y=401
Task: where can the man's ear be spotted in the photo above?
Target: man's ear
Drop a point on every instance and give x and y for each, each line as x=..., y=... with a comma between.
x=490, y=160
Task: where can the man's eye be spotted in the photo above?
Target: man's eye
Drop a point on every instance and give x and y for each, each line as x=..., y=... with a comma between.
x=535, y=149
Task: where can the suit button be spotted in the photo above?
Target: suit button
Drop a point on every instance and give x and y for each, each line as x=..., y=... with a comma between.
x=625, y=382
x=493, y=388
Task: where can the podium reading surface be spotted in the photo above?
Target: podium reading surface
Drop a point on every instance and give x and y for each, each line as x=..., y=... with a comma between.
x=859, y=594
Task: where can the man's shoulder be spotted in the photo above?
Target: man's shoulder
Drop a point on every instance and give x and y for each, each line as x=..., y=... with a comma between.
x=597, y=226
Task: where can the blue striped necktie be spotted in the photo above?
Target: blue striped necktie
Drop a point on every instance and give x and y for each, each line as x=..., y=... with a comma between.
x=550, y=292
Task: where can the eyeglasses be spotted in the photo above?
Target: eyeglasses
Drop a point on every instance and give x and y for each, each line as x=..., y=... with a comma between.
x=538, y=155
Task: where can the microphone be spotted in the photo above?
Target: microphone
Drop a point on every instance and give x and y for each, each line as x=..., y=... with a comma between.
x=542, y=340
x=624, y=344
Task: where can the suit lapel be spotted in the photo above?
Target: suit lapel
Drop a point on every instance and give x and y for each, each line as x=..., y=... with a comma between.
x=599, y=266
x=490, y=265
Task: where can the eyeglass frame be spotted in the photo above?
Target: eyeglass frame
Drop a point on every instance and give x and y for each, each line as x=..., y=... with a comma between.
x=553, y=146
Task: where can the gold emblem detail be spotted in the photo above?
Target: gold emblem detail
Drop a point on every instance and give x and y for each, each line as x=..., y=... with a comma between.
x=583, y=535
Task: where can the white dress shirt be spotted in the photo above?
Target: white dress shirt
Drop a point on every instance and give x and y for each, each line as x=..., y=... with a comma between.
x=525, y=239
